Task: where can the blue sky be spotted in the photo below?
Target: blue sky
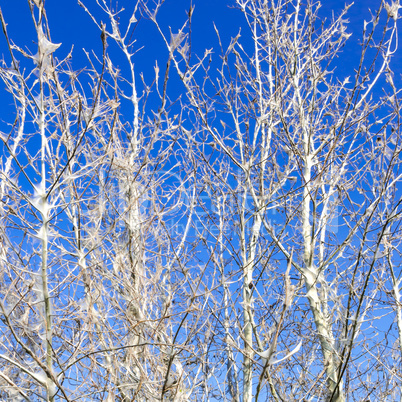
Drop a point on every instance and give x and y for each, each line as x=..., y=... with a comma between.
x=70, y=26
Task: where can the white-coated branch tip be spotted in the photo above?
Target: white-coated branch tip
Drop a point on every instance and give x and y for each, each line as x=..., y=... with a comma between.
x=392, y=9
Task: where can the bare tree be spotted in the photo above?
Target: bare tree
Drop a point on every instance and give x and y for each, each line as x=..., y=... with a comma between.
x=239, y=242
x=303, y=167
x=91, y=264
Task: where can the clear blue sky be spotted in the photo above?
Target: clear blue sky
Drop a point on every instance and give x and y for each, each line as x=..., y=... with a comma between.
x=70, y=25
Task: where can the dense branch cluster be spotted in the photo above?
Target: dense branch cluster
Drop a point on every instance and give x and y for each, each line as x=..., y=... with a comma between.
x=229, y=231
